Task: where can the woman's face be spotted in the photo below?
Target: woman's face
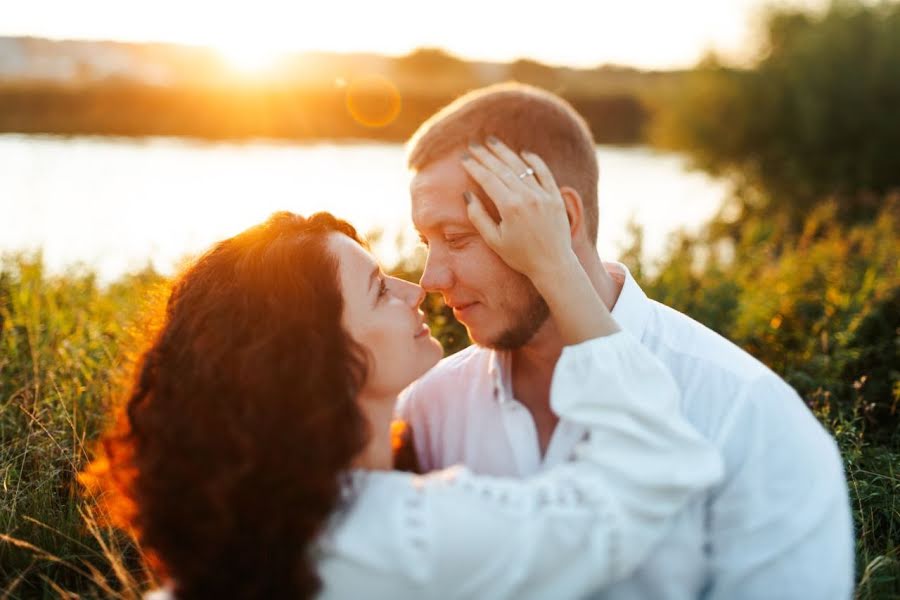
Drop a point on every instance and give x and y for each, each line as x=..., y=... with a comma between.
x=382, y=314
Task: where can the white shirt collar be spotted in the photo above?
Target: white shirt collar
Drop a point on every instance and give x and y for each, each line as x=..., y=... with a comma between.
x=632, y=308
x=498, y=369
x=631, y=311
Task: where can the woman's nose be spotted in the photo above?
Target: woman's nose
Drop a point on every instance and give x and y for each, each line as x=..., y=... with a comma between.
x=414, y=294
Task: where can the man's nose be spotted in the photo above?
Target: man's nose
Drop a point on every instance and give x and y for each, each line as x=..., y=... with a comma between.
x=436, y=277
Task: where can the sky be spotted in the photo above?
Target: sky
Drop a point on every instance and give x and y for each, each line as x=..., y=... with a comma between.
x=655, y=34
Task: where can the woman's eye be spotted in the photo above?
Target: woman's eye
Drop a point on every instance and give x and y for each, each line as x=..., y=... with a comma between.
x=382, y=288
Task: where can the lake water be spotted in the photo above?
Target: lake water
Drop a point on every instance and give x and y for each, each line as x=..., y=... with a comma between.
x=119, y=204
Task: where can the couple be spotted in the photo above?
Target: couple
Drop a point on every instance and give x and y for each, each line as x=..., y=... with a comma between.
x=609, y=445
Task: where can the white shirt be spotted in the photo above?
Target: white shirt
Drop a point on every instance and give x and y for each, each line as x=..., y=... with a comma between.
x=777, y=526
x=560, y=534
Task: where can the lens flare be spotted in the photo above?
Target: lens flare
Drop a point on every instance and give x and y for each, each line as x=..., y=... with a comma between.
x=373, y=101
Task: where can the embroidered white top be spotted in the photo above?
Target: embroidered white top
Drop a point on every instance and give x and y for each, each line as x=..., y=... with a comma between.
x=563, y=533
x=777, y=526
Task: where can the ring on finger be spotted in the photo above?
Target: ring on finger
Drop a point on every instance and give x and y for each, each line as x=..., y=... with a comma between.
x=526, y=173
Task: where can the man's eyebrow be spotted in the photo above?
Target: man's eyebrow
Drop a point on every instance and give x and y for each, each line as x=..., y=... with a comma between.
x=442, y=224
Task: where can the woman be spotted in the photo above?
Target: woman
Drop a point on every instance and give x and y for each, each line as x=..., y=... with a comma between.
x=254, y=457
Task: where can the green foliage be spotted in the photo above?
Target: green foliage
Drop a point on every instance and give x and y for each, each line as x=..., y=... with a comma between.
x=821, y=308
x=60, y=354
x=815, y=117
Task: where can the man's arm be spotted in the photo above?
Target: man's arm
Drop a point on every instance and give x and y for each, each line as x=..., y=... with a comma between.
x=780, y=523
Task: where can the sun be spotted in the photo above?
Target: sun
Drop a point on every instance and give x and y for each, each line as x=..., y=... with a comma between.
x=250, y=56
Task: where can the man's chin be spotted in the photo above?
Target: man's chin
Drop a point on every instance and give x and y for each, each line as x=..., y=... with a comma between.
x=481, y=334
x=508, y=339
x=514, y=335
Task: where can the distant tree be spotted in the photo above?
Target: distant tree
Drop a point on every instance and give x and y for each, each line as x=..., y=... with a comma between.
x=432, y=61
x=534, y=73
x=817, y=116
x=431, y=70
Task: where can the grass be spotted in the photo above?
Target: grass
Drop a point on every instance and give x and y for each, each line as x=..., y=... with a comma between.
x=65, y=346
x=62, y=343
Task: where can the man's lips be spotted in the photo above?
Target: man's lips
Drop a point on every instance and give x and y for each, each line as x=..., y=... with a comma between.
x=462, y=308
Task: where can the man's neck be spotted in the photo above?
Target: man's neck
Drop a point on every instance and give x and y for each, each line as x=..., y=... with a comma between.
x=541, y=353
x=533, y=364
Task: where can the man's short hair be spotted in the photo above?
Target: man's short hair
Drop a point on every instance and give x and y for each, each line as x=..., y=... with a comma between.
x=524, y=118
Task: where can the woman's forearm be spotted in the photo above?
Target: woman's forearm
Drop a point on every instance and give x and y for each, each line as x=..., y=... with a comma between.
x=577, y=309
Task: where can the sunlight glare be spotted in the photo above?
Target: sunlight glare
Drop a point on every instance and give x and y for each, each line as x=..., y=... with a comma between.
x=250, y=56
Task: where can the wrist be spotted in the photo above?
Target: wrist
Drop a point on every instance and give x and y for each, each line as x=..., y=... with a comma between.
x=548, y=279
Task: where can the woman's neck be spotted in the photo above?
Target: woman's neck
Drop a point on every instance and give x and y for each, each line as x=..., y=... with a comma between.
x=378, y=455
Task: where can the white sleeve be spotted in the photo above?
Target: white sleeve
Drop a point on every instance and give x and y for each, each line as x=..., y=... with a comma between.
x=780, y=523
x=580, y=525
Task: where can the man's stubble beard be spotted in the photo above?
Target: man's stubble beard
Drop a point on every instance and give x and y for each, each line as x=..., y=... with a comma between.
x=526, y=323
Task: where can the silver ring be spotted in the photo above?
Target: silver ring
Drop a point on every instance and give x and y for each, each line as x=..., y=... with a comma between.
x=528, y=172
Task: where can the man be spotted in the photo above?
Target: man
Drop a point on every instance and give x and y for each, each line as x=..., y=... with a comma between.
x=777, y=527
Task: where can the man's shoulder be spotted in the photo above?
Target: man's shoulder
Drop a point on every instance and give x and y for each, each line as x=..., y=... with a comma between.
x=686, y=344
x=721, y=384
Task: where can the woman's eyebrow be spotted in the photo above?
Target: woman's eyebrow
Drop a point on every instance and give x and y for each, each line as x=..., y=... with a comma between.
x=373, y=277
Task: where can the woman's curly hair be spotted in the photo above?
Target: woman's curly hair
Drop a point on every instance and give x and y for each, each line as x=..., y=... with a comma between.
x=229, y=457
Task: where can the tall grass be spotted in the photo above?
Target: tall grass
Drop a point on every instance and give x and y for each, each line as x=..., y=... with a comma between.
x=63, y=351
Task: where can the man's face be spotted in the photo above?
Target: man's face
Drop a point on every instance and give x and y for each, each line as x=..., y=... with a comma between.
x=499, y=306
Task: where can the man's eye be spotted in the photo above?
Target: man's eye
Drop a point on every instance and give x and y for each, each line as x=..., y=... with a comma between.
x=382, y=288
x=423, y=241
x=457, y=241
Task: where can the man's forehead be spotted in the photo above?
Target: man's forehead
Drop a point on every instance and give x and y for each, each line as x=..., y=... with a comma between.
x=436, y=212
x=436, y=195
x=445, y=172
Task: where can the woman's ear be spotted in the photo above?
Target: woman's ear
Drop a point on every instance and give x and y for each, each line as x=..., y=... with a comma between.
x=574, y=209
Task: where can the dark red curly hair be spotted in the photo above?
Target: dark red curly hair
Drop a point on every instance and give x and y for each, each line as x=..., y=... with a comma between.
x=242, y=418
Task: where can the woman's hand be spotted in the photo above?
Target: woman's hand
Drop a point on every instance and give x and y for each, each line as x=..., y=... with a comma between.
x=533, y=235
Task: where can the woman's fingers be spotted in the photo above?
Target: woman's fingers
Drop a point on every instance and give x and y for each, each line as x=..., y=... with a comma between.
x=499, y=172
x=515, y=164
x=481, y=220
x=542, y=173
x=489, y=182
x=498, y=168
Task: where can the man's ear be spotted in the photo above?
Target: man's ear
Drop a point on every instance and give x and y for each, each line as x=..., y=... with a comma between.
x=574, y=209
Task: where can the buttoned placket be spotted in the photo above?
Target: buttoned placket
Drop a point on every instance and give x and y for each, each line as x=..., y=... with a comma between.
x=521, y=432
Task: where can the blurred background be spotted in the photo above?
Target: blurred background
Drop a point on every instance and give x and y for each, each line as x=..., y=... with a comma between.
x=749, y=176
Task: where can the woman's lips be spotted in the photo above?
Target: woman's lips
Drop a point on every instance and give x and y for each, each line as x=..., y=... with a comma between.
x=423, y=331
